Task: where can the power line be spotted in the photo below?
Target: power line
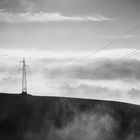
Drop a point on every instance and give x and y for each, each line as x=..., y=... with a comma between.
x=112, y=14
x=107, y=45
x=125, y=57
x=135, y=52
x=131, y=54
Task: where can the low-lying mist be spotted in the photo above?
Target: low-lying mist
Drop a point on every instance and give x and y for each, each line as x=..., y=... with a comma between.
x=101, y=123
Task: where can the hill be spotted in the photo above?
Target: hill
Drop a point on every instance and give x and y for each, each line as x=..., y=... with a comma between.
x=57, y=118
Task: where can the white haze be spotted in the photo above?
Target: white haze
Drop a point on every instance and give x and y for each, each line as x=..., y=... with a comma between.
x=55, y=74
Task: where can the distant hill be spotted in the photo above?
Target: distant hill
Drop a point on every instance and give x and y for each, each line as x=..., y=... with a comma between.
x=57, y=118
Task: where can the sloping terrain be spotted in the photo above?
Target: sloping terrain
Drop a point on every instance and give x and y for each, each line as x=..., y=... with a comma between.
x=57, y=118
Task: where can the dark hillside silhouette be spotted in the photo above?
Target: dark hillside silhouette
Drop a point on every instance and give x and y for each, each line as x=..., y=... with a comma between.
x=57, y=118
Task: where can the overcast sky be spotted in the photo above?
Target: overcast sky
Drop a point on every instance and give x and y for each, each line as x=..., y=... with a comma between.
x=55, y=35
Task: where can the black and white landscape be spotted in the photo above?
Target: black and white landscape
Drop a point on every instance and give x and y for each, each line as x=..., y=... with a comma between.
x=74, y=48
x=82, y=59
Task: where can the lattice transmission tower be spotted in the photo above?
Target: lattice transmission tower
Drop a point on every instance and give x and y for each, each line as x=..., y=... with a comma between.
x=24, y=79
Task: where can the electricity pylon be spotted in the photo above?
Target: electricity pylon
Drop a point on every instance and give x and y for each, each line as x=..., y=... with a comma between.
x=24, y=80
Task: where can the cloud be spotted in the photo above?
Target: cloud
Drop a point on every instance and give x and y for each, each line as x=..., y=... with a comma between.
x=9, y=84
x=108, y=69
x=101, y=92
x=47, y=75
x=28, y=5
x=90, y=91
x=134, y=93
x=29, y=17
